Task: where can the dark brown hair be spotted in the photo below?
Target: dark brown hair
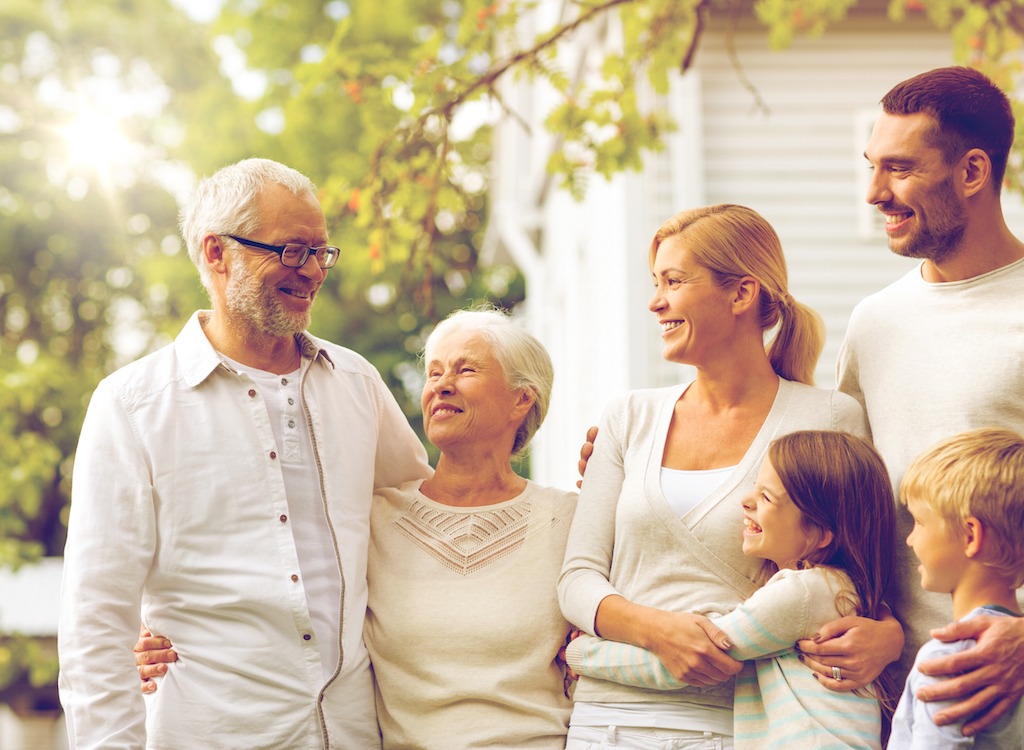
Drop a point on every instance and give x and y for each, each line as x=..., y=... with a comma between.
x=969, y=112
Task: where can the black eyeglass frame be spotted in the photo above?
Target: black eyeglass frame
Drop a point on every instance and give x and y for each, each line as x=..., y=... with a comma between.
x=326, y=255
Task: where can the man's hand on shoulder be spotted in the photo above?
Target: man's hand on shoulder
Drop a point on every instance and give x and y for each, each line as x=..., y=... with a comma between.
x=586, y=451
x=988, y=677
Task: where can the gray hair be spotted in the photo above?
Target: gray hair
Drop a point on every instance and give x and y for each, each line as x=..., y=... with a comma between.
x=523, y=359
x=225, y=203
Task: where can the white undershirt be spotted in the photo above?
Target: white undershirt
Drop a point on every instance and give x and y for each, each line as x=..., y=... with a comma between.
x=318, y=562
x=685, y=489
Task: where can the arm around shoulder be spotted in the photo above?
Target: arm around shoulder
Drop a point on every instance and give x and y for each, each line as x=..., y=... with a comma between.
x=986, y=680
x=110, y=547
x=401, y=456
x=584, y=580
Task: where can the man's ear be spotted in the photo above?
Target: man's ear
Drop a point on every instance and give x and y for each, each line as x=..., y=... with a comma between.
x=975, y=170
x=213, y=252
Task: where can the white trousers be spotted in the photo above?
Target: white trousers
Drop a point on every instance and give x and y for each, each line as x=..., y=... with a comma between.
x=639, y=738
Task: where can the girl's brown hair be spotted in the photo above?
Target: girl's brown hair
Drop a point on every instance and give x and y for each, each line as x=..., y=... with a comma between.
x=840, y=484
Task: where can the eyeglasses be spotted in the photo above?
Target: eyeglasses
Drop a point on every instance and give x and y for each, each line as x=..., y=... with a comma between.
x=295, y=254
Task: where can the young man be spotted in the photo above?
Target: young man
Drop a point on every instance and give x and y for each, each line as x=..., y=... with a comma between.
x=941, y=350
x=222, y=487
x=966, y=498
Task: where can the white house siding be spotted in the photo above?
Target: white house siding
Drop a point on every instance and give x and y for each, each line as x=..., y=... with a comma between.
x=799, y=163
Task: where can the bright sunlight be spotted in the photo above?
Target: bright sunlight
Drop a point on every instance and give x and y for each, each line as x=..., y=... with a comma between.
x=95, y=141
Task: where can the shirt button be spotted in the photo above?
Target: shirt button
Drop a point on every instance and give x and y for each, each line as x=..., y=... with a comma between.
x=283, y=518
x=291, y=401
x=306, y=636
x=284, y=381
x=252, y=393
x=273, y=455
x=291, y=422
x=295, y=578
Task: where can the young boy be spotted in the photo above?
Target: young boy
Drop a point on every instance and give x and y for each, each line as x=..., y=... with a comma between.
x=966, y=496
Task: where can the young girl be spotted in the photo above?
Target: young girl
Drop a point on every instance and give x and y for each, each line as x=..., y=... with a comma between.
x=822, y=518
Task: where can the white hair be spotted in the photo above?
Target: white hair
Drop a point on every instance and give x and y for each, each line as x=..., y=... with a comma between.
x=523, y=359
x=225, y=203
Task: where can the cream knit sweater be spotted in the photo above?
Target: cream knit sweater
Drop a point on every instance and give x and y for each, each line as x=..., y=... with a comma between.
x=626, y=540
x=779, y=703
x=928, y=361
x=463, y=623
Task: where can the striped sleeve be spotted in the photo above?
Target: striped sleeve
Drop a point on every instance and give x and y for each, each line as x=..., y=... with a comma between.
x=619, y=662
x=771, y=621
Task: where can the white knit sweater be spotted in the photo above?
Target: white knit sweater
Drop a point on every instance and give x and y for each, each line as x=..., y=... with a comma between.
x=928, y=361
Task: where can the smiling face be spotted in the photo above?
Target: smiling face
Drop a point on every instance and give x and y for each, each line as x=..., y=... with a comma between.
x=773, y=526
x=466, y=399
x=925, y=216
x=938, y=546
x=272, y=299
x=693, y=310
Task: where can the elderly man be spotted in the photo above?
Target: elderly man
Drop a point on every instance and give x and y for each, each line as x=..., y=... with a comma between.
x=222, y=487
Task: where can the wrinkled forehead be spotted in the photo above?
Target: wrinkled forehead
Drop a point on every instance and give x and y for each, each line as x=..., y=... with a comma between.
x=458, y=345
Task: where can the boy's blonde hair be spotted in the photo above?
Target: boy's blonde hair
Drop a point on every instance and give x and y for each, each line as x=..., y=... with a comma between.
x=978, y=473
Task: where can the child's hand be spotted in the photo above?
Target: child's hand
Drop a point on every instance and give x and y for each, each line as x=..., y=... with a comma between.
x=990, y=675
x=860, y=648
x=569, y=676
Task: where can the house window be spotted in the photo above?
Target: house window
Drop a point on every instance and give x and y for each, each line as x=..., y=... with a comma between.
x=870, y=221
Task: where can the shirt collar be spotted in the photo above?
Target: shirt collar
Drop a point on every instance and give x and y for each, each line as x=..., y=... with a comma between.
x=198, y=358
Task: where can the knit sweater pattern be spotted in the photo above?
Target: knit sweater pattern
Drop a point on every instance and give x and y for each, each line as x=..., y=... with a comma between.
x=463, y=625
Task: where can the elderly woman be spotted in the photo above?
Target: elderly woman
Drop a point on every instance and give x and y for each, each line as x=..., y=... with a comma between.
x=660, y=522
x=463, y=624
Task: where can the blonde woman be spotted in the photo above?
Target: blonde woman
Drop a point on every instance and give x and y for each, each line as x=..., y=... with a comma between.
x=658, y=531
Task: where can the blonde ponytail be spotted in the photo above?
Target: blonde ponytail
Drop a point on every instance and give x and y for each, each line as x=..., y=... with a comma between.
x=796, y=346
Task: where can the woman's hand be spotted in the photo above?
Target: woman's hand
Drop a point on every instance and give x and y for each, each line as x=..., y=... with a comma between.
x=152, y=654
x=989, y=676
x=692, y=648
x=860, y=648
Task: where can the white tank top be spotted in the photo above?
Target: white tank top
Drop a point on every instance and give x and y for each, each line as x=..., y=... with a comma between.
x=685, y=490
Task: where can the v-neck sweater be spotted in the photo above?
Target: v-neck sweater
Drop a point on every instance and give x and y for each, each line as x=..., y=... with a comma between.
x=626, y=540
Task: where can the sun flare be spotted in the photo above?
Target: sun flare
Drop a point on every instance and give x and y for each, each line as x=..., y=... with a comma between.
x=95, y=140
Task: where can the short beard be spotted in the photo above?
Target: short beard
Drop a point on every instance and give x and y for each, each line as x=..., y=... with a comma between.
x=260, y=310
x=941, y=239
